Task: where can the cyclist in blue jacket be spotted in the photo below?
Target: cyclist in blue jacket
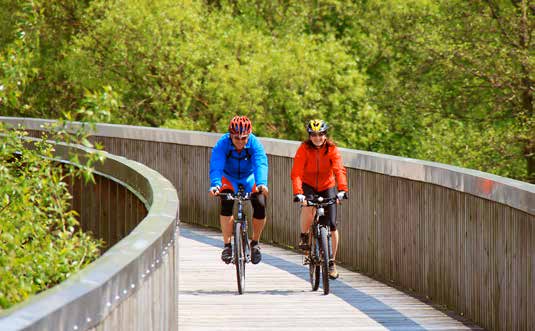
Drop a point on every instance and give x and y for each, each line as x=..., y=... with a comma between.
x=237, y=158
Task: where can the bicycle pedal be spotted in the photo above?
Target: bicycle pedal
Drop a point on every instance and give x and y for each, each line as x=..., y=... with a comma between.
x=306, y=261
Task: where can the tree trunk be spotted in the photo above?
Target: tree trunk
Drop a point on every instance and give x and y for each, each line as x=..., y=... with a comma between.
x=527, y=89
x=529, y=154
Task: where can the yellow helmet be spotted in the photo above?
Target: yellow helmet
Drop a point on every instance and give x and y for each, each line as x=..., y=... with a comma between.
x=317, y=126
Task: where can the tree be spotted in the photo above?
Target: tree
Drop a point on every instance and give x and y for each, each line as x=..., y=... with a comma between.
x=455, y=61
x=41, y=242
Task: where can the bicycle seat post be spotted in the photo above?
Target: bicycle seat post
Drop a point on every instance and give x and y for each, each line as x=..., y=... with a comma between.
x=241, y=190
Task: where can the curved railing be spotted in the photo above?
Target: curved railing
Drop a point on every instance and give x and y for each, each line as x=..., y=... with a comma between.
x=461, y=238
x=132, y=286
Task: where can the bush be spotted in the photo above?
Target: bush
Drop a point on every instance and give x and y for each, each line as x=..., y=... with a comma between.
x=41, y=243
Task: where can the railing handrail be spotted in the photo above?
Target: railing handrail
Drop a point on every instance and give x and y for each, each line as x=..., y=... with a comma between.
x=514, y=193
x=87, y=297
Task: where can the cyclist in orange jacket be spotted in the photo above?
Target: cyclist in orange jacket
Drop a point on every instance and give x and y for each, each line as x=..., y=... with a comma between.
x=318, y=169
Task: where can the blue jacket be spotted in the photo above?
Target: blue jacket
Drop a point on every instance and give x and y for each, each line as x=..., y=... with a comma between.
x=225, y=160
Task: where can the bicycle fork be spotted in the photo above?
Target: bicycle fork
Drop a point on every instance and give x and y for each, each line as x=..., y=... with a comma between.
x=325, y=255
x=245, y=242
x=315, y=240
x=247, y=246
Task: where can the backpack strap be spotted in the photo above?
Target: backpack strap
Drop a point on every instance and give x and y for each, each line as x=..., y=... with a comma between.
x=247, y=155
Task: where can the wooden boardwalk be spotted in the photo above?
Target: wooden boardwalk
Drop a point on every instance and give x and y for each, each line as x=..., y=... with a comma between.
x=278, y=295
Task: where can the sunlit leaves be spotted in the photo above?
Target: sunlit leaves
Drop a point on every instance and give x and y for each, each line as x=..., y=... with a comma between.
x=384, y=72
x=40, y=240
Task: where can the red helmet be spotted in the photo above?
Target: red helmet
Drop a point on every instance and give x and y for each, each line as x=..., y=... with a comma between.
x=240, y=125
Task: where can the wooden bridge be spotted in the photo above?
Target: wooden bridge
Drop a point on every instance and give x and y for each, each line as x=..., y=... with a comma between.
x=278, y=295
x=425, y=246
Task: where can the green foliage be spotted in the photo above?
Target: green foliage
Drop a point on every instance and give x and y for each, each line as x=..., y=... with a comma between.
x=442, y=62
x=172, y=70
x=480, y=146
x=390, y=75
x=40, y=240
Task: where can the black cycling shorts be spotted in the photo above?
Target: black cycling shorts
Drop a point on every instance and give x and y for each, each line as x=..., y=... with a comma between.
x=329, y=218
x=258, y=201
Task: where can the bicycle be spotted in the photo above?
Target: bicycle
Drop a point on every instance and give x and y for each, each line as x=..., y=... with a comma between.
x=241, y=253
x=320, y=252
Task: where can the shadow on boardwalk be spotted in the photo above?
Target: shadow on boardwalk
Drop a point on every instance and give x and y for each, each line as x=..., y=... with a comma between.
x=381, y=314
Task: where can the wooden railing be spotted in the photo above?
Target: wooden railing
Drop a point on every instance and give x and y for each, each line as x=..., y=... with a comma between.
x=461, y=238
x=133, y=285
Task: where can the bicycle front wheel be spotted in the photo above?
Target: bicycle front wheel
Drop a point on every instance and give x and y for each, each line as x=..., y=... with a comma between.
x=313, y=266
x=239, y=257
x=324, y=258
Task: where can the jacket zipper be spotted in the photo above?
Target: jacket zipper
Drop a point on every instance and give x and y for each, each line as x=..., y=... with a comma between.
x=317, y=169
x=239, y=166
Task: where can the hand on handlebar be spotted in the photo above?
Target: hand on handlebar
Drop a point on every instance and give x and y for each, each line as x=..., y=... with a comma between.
x=262, y=189
x=300, y=198
x=214, y=190
x=341, y=195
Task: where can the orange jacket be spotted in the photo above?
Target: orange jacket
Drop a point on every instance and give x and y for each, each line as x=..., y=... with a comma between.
x=318, y=169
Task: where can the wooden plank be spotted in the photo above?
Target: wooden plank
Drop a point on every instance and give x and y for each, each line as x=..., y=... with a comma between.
x=278, y=295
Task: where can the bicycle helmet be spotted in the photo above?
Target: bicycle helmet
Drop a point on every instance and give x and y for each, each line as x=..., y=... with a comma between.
x=240, y=125
x=317, y=126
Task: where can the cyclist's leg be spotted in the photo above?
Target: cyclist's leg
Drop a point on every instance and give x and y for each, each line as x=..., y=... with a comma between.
x=259, y=208
x=226, y=220
x=331, y=214
x=258, y=201
x=259, y=218
x=330, y=219
x=307, y=215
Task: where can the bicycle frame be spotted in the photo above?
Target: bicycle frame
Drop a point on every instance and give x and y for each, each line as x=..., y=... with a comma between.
x=241, y=250
x=320, y=245
x=243, y=221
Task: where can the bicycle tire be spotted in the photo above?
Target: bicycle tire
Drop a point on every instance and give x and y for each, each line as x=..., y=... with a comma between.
x=246, y=247
x=324, y=242
x=239, y=257
x=313, y=266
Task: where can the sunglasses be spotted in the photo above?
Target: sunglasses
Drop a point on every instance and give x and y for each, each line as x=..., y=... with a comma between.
x=238, y=137
x=317, y=134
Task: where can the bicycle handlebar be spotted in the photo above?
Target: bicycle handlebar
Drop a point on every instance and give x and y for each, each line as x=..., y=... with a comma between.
x=235, y=196
x=238, y=196
x=321, y=202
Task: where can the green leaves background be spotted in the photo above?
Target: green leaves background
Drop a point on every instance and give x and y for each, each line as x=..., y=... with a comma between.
x=430, y=79
x=41, y=243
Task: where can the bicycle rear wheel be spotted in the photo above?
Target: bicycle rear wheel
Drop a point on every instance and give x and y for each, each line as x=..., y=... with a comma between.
x=313, y=266
x=324, y=240
x=239, y=257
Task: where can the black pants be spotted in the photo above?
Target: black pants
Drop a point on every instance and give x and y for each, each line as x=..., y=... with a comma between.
x=258, y=201
x=329, y=218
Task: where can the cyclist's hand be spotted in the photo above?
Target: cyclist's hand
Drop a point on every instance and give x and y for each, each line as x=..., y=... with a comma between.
x=214, y=190
x=299, y=198
x=341, y=195
x=262, y=189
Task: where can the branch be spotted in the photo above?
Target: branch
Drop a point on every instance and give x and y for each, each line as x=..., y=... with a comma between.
x=495, y=15
x=1, y=210
x=202, y=101
x=458, y=59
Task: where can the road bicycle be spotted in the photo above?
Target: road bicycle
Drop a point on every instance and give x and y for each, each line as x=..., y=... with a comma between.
x=320, y=252
x=241, y=253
